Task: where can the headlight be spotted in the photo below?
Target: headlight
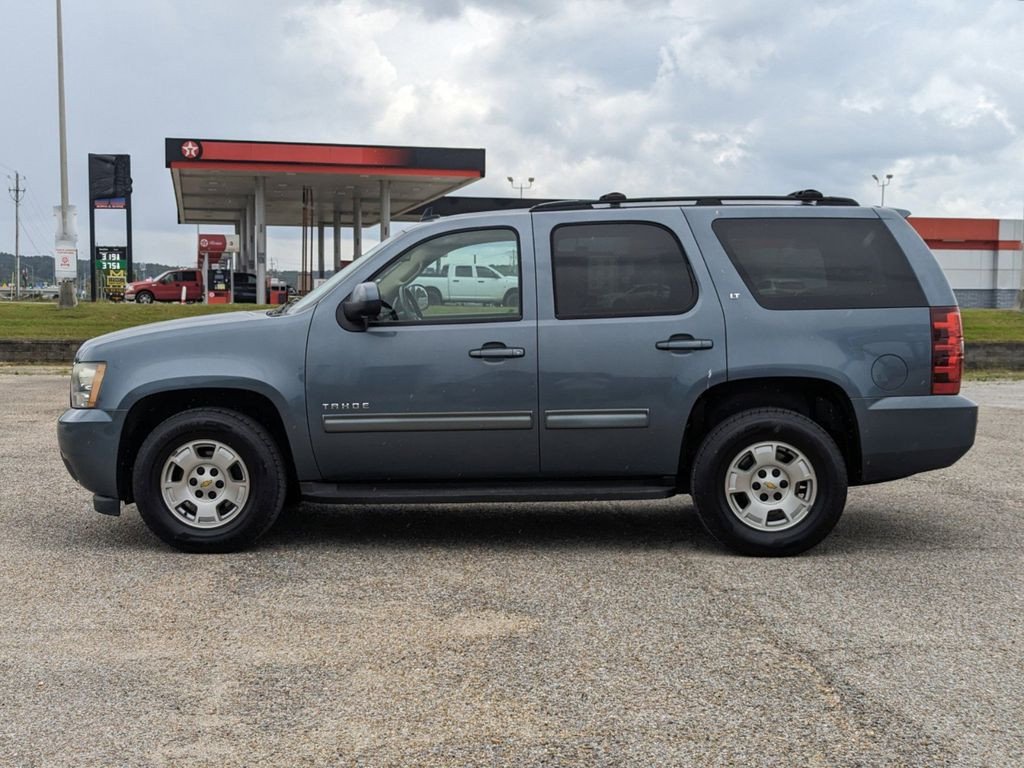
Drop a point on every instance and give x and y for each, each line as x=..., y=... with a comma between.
x=86, y=379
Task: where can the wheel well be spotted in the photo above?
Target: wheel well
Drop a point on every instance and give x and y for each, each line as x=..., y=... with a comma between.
x=819, y=400
x=146, y=414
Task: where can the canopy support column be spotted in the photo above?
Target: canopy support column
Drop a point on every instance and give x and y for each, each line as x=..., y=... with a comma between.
x=320, y=248
x=357, y=227
x=385, y=210
x=243, y=240
x=336, y=238
x=260, y=204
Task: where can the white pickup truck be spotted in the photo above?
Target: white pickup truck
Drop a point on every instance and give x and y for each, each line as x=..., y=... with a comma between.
x=473, y=283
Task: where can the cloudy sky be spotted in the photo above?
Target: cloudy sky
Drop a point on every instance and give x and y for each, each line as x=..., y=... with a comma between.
x=643, y=97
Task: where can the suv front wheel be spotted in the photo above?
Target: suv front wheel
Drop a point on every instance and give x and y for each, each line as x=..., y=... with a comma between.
x=769, y=482
x=209, y=480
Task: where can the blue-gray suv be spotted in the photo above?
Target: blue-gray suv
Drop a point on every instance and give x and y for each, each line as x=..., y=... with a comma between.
x=761, y=354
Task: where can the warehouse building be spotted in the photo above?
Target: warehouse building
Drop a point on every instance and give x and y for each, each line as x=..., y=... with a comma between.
x=981, y=258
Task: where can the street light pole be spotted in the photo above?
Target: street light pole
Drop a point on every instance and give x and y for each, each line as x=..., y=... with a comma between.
x=520, y=187
x=883, y=184
x=63, y=128
x=66, y=298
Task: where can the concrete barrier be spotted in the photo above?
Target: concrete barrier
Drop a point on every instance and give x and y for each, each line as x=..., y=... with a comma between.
x=979, y=355
x=994, y=354
x=38, y=350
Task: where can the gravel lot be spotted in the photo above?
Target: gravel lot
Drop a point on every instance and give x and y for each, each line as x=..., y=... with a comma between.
x=539, y=634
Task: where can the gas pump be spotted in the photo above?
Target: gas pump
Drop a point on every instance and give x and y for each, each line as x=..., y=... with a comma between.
x=216, y=266
x=277, y=292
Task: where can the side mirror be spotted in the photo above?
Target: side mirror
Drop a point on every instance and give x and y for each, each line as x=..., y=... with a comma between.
x=362, y=306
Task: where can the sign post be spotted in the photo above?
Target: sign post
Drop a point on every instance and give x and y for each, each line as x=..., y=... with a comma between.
x=110, y=188
x=110, y=271
x=65, y=261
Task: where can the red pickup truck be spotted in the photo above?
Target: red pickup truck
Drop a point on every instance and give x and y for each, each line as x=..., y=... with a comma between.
x=167, y=287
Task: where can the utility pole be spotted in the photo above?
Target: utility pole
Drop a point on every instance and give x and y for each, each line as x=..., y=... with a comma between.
x=17, y=193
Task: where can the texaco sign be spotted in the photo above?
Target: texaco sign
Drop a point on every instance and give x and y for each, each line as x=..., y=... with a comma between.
x=191, y=150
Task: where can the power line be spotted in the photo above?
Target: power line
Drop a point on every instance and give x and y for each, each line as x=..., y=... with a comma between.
x=39, y=223
x=35, y=206
x=39, y=251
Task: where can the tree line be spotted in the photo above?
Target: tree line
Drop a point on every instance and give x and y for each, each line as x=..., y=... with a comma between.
x=38, y=270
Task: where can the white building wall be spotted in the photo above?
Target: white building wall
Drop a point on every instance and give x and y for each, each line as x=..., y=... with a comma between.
x=986, y=278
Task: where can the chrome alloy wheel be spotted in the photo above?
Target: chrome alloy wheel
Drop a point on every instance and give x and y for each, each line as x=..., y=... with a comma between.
x=770, y=486
x=205, y=484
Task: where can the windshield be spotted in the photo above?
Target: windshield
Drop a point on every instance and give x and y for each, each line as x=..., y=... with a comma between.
x=325, y=287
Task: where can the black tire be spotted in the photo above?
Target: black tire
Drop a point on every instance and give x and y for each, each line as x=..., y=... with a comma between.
x=744, y=430
x=268, y=479
x=511, y=298
x=434, y=297
x=144, y=297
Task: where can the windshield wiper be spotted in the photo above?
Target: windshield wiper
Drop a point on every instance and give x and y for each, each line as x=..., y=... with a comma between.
x=283, y=308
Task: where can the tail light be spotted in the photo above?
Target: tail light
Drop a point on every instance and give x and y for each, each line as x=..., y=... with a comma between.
x=947, y=350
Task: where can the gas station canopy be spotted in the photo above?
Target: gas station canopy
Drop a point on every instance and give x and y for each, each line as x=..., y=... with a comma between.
x=215, y=181
x=253, y=185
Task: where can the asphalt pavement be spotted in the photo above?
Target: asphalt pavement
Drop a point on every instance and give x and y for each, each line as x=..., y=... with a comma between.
x=611, y=634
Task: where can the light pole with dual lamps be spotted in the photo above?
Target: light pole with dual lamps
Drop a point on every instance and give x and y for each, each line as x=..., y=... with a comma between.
x=520, y=187
x=883, y=184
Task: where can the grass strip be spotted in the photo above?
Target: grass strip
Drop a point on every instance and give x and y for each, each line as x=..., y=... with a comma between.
x=42, y=319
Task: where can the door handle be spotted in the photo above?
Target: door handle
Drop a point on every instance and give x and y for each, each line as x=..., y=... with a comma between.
x=683, y=342
x=489, y=352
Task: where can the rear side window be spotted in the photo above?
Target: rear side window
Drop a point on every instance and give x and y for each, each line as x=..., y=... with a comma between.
x=820, y=263
x=619, y=270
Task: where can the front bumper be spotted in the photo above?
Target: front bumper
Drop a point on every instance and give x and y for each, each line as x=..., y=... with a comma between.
x=88, y=440
x=901, y=436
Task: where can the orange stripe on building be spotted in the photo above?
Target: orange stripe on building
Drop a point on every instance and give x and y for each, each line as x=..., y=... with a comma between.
x=962, y=234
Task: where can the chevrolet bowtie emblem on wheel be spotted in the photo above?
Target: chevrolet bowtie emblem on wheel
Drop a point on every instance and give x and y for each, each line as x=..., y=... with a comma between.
x=206, y=483
x=769, y=486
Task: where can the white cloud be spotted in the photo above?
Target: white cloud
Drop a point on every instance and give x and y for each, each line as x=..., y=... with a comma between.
x=645, y=97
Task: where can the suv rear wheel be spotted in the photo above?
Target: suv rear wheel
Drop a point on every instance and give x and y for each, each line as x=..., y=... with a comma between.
x=209, y=480
x=769, y=482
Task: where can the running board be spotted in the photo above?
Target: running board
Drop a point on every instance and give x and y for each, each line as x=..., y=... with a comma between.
x=509, y=490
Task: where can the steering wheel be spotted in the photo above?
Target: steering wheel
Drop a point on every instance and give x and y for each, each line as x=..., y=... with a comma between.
x=407, y=303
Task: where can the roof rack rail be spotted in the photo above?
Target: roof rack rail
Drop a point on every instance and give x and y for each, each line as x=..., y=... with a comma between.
x=618, y=200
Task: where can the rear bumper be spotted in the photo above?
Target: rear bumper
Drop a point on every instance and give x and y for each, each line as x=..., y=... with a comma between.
x=901, y=436
x=88, y=440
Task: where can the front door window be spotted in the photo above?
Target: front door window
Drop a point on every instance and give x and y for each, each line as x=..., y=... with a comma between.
x=434, y=281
